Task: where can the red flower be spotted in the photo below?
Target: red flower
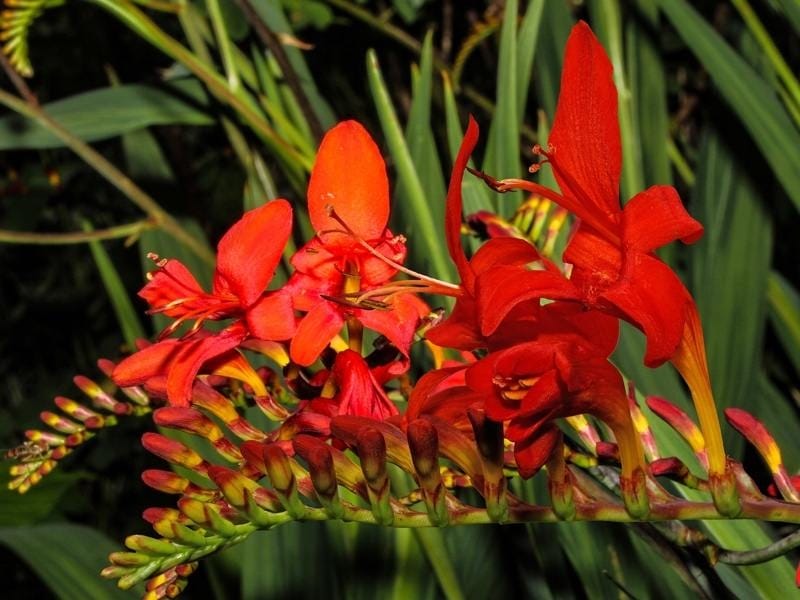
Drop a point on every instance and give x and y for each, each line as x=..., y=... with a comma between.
x=478, y=303
x=247, y=257
x=348, y=203
x=612, y=250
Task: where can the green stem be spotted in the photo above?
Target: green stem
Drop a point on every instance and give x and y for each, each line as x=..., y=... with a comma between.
x=238, y=100
x=432, y=544
x=680, y=163
x=774, y=56
x=129, y=230
x=754, y=557
x=112, y=174
x=223, y=44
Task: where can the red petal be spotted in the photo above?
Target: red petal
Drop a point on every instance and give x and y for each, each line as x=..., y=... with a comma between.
x=651, y=296
x=597, y=263
x=349, y=175
x=359, y=393
x=460, y=330
x=315, y=332
x=503, y=251
x=272, y=317
x=194, y=354
x=147, y=363
x=503, y=288
x=173, y=282
x=531, y=454
x=657, y=217
x=455, y=204
x=399, y=323
x=585, y=143
x=249, y=252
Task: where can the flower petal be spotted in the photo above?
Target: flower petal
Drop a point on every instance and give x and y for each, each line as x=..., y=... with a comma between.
x=651, y=296
x=452, y=217
x=314, y=333
x=656, y=217
x=193, y=356
x=533, y=452
x=174, y=282
x=349, y=175
x=147, y=363
x=272, y=317
x=398, y=323
x=585, y=150
x=359, y=394
x=249, y=252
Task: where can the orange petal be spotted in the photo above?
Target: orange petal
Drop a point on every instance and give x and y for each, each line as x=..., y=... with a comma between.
x=315, y=332
x=272, y=317
x=585, y=143
x=249, y=252
x=349, y=176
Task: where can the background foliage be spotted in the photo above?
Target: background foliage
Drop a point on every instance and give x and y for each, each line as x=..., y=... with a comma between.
x=708, y=102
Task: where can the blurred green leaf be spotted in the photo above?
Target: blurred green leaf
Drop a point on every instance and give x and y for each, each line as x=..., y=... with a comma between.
x=784, y=312
x=38, y=503
x=109, y=112
x=556, y=24
x=68, y=558
x=729, y=269
x=502, y=157
x=428, y=252
x=748, y=94
x=120, y=300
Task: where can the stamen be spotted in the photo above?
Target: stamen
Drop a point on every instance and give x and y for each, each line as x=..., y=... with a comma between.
x=386, y=259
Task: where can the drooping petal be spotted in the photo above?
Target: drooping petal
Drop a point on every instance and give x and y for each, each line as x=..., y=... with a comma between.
x=359, y=394
x=503, y=288
x=460, y=330
x=272, y=317
x=194, y=354
x=249, y=252
x=651, y=296
x=585, y=150
x=314, y=333
x=656, y=217
x=534, y=451
x=349, y=175
x=147, y=363
x=452, y=217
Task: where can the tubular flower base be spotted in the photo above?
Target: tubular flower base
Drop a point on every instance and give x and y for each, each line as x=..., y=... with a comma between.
x=522, y=360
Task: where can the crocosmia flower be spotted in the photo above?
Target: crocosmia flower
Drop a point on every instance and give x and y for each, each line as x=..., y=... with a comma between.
x=352, y=252
x=248, y=255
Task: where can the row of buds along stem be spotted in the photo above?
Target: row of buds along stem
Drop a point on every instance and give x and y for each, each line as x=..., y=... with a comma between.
x=73, y=426
x=231, y=485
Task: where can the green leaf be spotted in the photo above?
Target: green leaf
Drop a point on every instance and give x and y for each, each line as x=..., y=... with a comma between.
x=109, y=112
x=752, y=99
x=38, y=503
x=502, y=157
x=527, y=40
x=556, y=24
x=431, y=253
x=120, y=300
x=729, y=269
x=784, y=312
x=273, y=15
x=68, y=558
x=419, y=135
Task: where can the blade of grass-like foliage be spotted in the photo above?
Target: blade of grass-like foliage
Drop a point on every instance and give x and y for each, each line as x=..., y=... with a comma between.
x=276, y=563
x=273, y=15
x=123, y=307
x=411, y=579
x=729, y=269
x=419, y=135
x=607, y=23
x=750, y=97
x=38, y=503
x=428, y=253
x=556, y=24
x=527, y=40
x=649, y=92
x=502, y=148
x=784, y=312
x=68, y=558
x=109, y=112
x=791, y=9
x=476, y=194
